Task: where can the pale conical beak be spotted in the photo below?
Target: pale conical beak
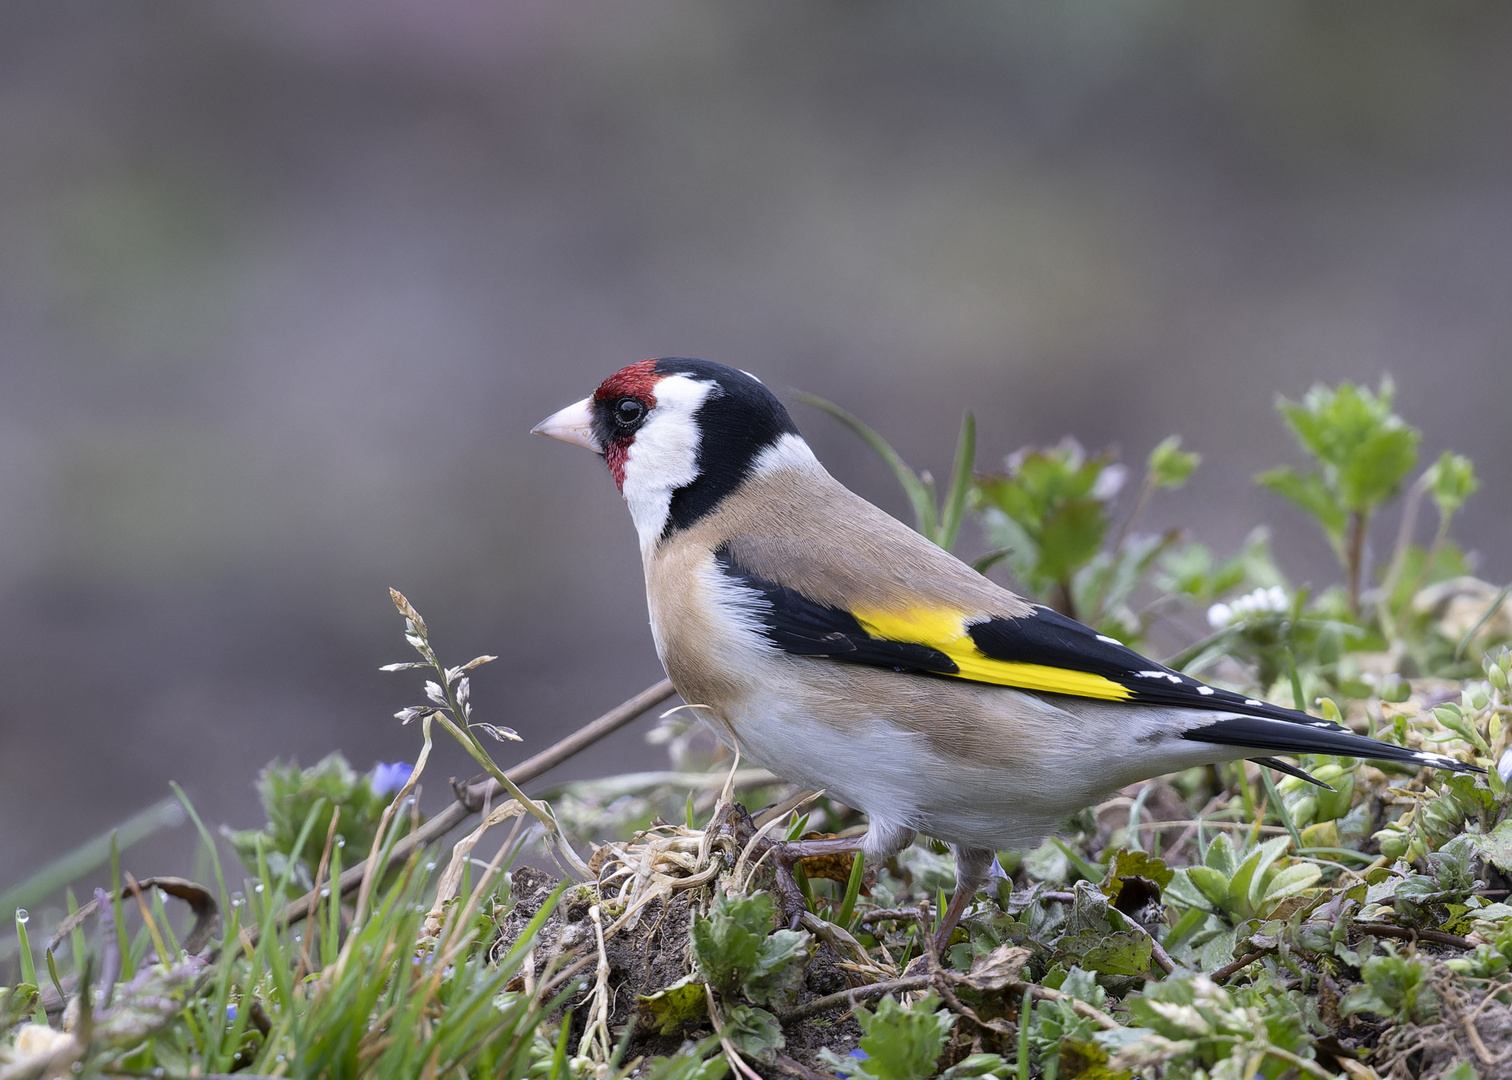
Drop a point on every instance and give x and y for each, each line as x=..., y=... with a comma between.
x=573, y=424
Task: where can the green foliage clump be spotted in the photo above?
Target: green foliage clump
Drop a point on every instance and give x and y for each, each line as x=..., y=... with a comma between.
x=1191, y=1026
x=1394, y=986
x=736, y=948
x=901, y=1042
x=1362, y=452
x=291, y=795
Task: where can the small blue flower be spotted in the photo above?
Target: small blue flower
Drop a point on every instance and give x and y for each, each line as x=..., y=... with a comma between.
x=387, y=779
x=860, y=1055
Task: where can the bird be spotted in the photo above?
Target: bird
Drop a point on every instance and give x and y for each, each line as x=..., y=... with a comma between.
x=826, y=640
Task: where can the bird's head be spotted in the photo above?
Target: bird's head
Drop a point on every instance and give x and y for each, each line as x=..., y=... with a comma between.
x=678, y=436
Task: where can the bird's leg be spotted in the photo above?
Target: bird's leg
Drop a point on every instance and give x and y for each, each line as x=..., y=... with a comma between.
x=786, y=854
x=974, y=868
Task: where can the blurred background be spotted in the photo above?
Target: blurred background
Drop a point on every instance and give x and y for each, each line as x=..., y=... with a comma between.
x=283, y=288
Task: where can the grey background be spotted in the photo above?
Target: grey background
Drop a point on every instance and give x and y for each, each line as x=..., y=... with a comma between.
x=284, y=286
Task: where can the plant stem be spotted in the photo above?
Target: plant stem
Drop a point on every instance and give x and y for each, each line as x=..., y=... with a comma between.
x=1399, y=551
x=1356, y=561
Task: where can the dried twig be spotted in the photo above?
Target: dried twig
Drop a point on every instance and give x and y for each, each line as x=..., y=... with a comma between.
x=940, y=982
x=890, y=915
x=849, y=999
x=1228, y=970
x=1438, y=937
x=1157, y=951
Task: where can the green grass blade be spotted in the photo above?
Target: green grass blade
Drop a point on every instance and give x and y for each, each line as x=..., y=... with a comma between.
x=1279, y=806
x=1026, y=1010
x=1090, y=871
x=1495, y=606
x=28, y=964
x=852, y=890
x=960, y=484
x=982, y=563
x=209, y=839
x=913, y=487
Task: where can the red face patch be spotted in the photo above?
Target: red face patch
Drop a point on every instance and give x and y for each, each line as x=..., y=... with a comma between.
x=633, y=381
x=637, y=381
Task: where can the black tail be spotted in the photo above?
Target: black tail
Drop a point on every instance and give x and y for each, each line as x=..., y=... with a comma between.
x=1308, y=735
x=1291, y=770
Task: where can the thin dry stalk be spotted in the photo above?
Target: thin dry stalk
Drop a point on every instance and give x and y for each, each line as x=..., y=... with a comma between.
x=320, y=873
x=596, y=1044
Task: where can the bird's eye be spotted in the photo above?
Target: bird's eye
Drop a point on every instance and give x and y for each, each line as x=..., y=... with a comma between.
x=628, y=411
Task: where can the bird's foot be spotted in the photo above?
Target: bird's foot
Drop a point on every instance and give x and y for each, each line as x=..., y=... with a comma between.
x=975, y=867
x=953, y=912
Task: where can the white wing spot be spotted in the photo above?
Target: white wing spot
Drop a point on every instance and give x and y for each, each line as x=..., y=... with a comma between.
x=1106, y=640
x=1252, y=701
x=1206, y=690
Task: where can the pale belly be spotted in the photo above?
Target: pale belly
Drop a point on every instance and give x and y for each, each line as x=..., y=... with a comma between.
x=978, y=766
x=902, y=782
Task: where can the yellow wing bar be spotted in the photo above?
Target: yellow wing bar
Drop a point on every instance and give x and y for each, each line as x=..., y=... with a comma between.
x=945, y=629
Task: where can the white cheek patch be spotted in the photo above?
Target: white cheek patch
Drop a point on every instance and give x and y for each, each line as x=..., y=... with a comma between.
x=664, y=455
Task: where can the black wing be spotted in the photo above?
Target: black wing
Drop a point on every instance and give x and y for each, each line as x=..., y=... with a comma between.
x=1045, y=652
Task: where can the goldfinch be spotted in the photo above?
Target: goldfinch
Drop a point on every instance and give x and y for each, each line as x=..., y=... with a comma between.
x=839, y=648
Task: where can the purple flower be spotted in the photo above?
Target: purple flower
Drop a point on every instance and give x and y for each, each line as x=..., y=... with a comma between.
x=387, y=779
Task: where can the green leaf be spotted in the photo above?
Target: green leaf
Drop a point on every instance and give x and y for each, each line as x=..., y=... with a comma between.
x=1057, y=498
x=1247, y=887
x=1291, y=881
x=1142, y=864
x=1451, y=480
x=1453, y=718
x=1375, y=471
x=1211, y=883
x=685, y=1001
x=1071, y=534
x=727, y=945
x=734, y=947
x=753, y=1031
x=1221, y=857
x=778, y=968
x=1496, y=846
x=1308, y=491
x=976, y=1065
x=1012, y=542
x=1395, y=986
x=1122, y=952
x=1169, y=465
x=1363, y=450
x=904, y=1043
x=960, y=485
x=901, y=1043
x=15, y=1002
x=689, y=1064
